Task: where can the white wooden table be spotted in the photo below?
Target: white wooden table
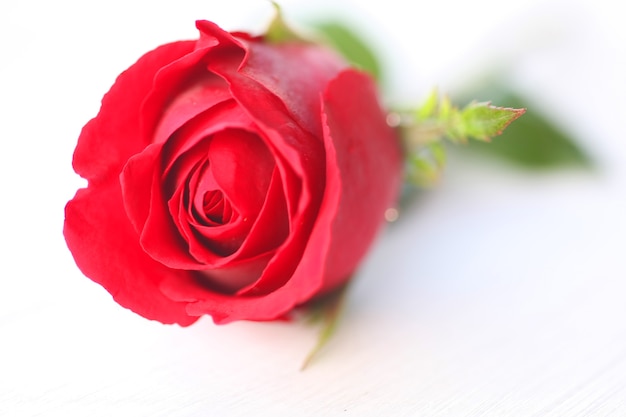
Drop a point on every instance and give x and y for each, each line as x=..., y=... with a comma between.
x=501, y=293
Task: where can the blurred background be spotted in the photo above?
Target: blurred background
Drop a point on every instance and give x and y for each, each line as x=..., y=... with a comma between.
x=500, y=292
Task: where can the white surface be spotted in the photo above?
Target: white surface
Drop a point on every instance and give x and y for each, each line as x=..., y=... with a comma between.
x=499, y=294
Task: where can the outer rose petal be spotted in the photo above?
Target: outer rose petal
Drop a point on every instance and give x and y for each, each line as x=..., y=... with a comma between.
x=114, y=135
x=363, y=170
x=297, y=82
x=106, y=248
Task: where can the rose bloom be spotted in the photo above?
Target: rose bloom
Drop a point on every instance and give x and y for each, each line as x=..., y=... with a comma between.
x=231, y=177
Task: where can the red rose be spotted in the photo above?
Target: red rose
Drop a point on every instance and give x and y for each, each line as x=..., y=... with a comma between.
x=231, y=177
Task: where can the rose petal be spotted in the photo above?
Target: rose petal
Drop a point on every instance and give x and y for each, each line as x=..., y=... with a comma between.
x=211, y=34
x=114, y=135
x=235, y=275
x=287, y=256
x=363, y=171
x=271, y=227
x=202, y=92
x=297, y=82
x=182, y=90
x=112, y=257
x=136, y=183
x=242, y=167
x=227, y=114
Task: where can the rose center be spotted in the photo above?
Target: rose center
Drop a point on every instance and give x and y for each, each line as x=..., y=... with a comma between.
x=216, y=208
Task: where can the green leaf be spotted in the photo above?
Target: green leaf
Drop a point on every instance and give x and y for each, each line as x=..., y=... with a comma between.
x=534, y=141
x=327, y=311
x=350, y=45
x=279, y=31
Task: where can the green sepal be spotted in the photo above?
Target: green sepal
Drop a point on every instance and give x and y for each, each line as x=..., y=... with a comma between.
x=279, y=31
x=482, y=121
x=424, y=167
x=326, y=312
